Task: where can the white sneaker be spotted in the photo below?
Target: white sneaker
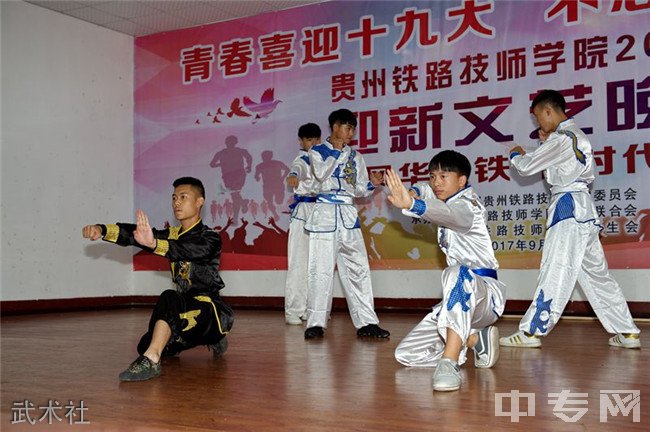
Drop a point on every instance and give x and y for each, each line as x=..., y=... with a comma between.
x=629, y=340
x=447, y=376
x=520, y=340
x=488, y=344
x=293, y=320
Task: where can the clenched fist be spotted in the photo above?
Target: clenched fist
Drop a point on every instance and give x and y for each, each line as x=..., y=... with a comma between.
x=92, y=232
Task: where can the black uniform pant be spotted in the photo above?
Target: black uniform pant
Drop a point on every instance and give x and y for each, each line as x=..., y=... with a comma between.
x=194, y=318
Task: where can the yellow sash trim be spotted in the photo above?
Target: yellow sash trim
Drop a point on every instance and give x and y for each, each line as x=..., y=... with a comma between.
x=162, y=247
x=112, y=233
x=207, y=299
x=174, y=232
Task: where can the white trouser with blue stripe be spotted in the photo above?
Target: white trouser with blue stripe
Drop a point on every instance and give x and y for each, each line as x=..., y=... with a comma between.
x=295, y=291
x=572, y=252
x=342, y=246
x=470, y=302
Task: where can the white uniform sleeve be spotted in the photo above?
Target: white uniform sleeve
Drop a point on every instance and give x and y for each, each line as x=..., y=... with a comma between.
x=363, y=187
x=298, y=169
x=457, y=216
x=423, y=190
x=556, y=149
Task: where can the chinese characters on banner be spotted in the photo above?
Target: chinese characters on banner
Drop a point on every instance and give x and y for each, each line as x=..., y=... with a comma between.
x=223, y=103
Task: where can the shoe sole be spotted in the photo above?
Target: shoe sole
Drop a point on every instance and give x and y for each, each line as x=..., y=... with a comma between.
x=136, y=379
x=373, y=336
x=493, y=340
x=445, y=388
x=505, y=343
x=629, y=346
x=314, y=336
x=221, y=348
x=373, y=331
x=298, y=322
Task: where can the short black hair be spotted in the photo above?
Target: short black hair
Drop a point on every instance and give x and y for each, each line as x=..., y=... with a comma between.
x=451, y=161
x=194, y=182
x=549, y=97
x=342, y=116
x=309, y=130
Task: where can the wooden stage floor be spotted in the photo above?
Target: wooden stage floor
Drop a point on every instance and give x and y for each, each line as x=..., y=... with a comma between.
x=271, y=379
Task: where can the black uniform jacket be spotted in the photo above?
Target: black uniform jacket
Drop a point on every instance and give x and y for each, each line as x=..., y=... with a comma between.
x=194, y=254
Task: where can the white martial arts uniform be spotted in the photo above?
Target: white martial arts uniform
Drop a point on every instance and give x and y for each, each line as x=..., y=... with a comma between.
x=335, y=236
x=572, y=250
x=295, y=291
x=472, y=297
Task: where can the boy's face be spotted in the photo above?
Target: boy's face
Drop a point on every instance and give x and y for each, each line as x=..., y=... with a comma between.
x=446, y=183
x=307, y=143
x=186, y=203
x=545, y=117
x=343, y=132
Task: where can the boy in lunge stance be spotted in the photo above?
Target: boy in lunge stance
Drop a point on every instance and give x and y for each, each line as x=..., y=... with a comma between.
x=193, y=314
x=472, y=297
x=301, y=180
x=572, y=251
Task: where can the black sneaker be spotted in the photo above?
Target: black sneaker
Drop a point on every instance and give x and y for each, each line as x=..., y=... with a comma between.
x=373, y=330
x=314, y=332
x=141, y=369
x=219, y=349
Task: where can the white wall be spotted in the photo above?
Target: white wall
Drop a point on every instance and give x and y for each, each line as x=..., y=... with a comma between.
x=67, y=160
x=67, y=154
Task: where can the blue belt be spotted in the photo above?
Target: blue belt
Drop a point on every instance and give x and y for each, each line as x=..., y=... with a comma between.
x=334, y=199
x=301, y=198
x=486, y=272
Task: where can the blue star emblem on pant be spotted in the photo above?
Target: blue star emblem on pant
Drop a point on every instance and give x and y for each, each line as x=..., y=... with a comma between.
x=541, y=306
x=458, y=294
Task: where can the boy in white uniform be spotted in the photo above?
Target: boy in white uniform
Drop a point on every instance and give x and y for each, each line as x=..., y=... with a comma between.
x=472, y=297
x=572, y=250
x=335, y=237
x=301, y=180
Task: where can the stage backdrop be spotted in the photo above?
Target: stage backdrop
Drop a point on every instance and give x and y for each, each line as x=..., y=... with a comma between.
x=223, y=103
